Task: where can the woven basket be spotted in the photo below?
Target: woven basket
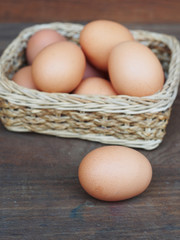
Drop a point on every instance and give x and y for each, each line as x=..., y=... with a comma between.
x=138, y=122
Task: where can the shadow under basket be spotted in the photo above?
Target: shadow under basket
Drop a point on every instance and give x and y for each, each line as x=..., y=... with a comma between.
x=138, y=122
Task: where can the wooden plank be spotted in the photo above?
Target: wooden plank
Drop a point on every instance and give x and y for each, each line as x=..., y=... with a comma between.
x=129, y=11
x=41, y=198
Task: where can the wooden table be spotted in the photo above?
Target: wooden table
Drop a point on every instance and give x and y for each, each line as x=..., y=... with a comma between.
x=41, y=198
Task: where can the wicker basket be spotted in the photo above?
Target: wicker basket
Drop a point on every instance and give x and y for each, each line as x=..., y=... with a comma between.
x=138, y=122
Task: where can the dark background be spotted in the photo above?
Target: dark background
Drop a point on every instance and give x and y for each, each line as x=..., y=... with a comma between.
x=129, y=11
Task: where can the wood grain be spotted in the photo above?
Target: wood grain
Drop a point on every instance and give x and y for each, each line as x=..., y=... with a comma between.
x=41, y=198
x=149, y=11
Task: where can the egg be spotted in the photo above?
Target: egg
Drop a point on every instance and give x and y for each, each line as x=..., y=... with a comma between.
x=40, y=40
x=23, y=77
x=95, y=86
x=59, y=67
x=98, y=38
x=91, y=71
x=114, y=173
x=135, y=70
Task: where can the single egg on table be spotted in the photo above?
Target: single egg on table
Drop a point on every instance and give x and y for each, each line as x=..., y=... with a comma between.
x=23, y=77
x=99, y=37
x=40, y=40
x=135, y=70
x=95, y=86
x=59, y=67
x=114, y=173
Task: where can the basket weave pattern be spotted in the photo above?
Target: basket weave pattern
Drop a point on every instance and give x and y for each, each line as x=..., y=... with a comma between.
x=124, y=120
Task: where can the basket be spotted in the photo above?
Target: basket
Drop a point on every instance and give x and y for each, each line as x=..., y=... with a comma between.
x=138, y=122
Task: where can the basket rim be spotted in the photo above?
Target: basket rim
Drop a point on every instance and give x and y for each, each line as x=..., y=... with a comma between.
x=157, y=102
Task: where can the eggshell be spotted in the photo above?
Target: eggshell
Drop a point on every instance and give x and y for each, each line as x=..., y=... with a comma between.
x=91, y=71
x=135, y=70
x=114, y=173
x=23, y=77
x=59, y=67
x=95, y=86
x=40, y=40
x=98, y=38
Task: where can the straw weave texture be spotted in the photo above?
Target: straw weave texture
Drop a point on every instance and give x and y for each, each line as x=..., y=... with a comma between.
x=123, y=120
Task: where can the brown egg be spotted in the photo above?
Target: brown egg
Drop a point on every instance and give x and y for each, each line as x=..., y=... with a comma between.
x=114, y=173
x=23, y=77
x=40, y=40
x=95, y=86
x=98, y=38
x=135, y=70
x=91, y=71
x=59, y=67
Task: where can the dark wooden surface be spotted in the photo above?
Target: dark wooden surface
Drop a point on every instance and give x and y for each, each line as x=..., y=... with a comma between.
x=128, y=11
x=41, y=198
